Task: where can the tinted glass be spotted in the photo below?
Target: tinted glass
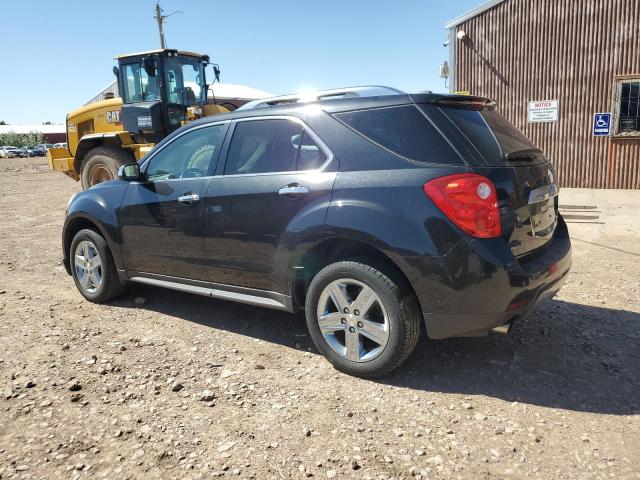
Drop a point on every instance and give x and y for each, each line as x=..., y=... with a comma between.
x=138, y=86
x=492, y=134
x=184, y=77
x=263, y=146
x=188, y=156
x=403, y=130
x=310, y=155
x=508, y=136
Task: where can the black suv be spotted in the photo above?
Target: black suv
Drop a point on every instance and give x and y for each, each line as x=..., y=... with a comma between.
x=373, y=214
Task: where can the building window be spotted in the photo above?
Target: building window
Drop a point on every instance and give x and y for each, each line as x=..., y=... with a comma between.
x=628, y=107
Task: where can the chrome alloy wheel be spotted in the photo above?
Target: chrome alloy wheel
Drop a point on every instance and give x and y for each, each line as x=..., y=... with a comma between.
x=88, y=266
x=353, y=320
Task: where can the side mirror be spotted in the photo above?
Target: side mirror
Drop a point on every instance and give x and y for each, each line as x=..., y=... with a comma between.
x=116, y=71
x=149, y=65
x=129, y=172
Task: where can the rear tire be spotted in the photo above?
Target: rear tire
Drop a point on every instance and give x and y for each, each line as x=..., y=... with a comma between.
x=393, y=318
x=93, y=269
x=101, y=164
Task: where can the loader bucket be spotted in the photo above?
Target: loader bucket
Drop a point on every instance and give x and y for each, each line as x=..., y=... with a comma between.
x=61, y=160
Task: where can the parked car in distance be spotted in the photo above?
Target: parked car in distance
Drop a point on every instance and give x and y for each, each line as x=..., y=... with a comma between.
x=24, y=152
x=59, y=145
x=372, y=214
x=37, y=151
x=40, y=150
x=9, y=152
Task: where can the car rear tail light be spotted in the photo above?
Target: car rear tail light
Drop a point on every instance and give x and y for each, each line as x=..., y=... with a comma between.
x=468, y=200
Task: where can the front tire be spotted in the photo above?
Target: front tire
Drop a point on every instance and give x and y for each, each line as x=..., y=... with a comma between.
x=93, y=269
x=101, y=164
x=363, y=321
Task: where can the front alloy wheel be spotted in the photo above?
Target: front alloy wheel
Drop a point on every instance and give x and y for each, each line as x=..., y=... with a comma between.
x=93, y=268
x=88, y=266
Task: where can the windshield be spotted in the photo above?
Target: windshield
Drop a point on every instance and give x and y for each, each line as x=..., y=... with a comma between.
x=185, y=80
x=138, y=85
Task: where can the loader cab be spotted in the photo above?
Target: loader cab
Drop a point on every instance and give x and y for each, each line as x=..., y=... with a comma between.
x=160, y=90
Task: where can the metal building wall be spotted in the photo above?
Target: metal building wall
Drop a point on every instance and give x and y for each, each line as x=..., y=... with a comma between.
x=570, y=50
x=111, y=88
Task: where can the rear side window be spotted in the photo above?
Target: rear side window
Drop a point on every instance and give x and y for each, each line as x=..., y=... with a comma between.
x=492, y=134
x=404, y=131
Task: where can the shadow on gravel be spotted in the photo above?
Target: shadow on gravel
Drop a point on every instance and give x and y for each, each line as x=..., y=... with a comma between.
x=566, y=355
x=569, y=356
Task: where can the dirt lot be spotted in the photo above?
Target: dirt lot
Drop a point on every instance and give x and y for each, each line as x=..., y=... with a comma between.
x=168, y=385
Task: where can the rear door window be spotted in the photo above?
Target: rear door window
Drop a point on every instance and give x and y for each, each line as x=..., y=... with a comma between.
x=272, y=146
x=404, y=131
x=310, y=155
x=262, y=146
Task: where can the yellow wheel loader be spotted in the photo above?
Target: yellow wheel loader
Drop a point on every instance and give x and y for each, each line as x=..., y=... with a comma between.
x=160, y=90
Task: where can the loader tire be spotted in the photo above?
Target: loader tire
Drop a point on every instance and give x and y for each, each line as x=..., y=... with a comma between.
x=101, y=164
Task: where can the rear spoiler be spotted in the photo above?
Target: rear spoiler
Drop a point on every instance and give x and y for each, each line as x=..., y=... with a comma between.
x=523, y=155
x=464, y=102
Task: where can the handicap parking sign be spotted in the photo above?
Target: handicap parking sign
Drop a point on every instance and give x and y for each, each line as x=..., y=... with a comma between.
x=601, y=124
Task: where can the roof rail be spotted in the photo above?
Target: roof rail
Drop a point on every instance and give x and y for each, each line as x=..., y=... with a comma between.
x=334, y=94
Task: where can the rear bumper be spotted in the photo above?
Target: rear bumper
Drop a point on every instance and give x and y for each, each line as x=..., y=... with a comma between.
x=471, y=325
x=484, y=286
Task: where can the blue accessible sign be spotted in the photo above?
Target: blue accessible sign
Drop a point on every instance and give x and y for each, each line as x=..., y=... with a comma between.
x=601, y=124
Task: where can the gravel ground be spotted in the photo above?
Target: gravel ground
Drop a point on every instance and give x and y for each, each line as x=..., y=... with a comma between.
x=166, y=385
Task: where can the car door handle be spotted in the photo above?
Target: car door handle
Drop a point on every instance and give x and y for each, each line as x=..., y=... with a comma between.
x=293, y=189
x=189, y=198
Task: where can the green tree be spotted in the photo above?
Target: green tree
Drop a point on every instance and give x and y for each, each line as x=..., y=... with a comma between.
x=30, y=139
x=2, y=122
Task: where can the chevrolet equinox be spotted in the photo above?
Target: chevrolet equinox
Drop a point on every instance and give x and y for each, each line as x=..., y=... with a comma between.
x=372, y=213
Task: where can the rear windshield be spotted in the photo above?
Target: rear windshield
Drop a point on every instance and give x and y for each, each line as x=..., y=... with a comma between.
x=403, y=130
x=493, y=135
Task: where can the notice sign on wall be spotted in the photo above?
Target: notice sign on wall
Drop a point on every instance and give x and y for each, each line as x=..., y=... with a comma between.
x=543, y=111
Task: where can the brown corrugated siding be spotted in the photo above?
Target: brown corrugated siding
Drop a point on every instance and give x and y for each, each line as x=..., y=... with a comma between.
x=569, y=50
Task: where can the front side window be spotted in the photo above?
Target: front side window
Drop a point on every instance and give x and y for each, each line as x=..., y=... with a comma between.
x=263, y=146
x=189, y=156
x=138, y=85
x=629, y=107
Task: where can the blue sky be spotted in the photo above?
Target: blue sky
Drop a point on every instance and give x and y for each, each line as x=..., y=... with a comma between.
x=54, y=56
